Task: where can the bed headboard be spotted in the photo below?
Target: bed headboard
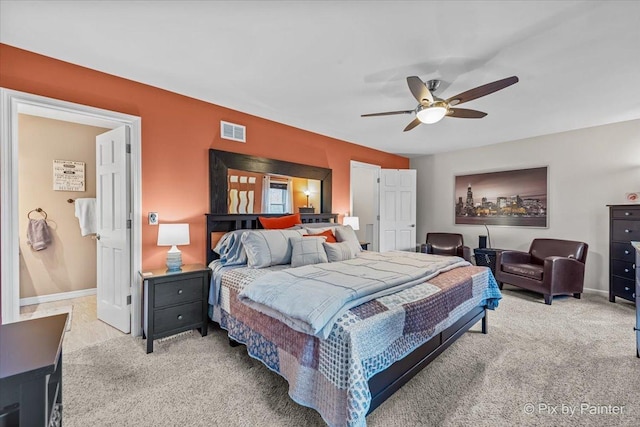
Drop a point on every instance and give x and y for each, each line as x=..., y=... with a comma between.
x=221, y=161
x=230, y=222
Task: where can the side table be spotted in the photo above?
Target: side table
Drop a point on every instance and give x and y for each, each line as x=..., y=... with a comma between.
x=175, y=301
x=486, y=257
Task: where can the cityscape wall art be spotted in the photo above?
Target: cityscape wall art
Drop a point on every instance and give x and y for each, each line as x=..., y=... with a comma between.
x=512, y=198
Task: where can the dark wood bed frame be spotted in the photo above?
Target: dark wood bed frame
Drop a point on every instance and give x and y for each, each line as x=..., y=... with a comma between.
x=385, y=383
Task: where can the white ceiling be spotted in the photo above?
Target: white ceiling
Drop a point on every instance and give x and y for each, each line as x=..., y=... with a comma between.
x=318, y=65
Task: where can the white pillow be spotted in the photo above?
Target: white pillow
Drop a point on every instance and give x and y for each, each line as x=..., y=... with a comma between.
x=265, y=248
x=346, y=234
x=338, y=251
x=307, y=250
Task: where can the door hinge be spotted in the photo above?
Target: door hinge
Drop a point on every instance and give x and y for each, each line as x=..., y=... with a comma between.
x=378, y=180
x=128, y=148
x=378, y=217
x=128, y=299
x=128, y=224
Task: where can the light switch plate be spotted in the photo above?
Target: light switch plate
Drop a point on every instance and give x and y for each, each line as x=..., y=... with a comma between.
x=153, y=218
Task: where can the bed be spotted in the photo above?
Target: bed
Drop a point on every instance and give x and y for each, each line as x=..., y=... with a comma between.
x=364, y=359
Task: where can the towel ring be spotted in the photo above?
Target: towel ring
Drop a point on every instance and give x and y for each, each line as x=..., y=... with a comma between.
x=39, y=210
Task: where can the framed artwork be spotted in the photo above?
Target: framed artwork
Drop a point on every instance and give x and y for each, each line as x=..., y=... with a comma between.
x=512, y=198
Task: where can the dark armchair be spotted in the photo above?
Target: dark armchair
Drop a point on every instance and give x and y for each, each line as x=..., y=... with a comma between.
x=450, y=244
x=551, y=267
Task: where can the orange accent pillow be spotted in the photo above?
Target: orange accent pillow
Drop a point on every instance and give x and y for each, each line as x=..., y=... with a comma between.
x=280, y=222
x=327, y=233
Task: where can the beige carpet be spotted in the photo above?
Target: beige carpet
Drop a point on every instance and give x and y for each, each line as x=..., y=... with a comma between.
x=573, y=353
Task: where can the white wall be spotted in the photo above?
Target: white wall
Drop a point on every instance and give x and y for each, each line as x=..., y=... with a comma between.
x=588, y=169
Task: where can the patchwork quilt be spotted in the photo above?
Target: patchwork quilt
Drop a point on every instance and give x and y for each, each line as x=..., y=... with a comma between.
x=312, y=297
x=330, y=375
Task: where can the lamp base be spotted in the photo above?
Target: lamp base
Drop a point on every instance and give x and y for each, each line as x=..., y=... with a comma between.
x=174, y=259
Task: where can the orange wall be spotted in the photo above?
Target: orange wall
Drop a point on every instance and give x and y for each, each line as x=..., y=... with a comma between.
x=177, y=131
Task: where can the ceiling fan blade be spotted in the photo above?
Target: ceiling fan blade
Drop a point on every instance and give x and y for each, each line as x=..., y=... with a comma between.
x=482, y=90
x=465, y=113
x=388, y=113
x=413, y=124
x=419, y=90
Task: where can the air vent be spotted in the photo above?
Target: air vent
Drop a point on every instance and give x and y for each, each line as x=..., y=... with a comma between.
x=233, y=132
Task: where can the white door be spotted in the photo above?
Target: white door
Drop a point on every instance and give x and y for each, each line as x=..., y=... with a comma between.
x=397, y=210
x=113, y=264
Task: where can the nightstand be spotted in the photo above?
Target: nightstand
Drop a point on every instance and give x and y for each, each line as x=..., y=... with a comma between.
x=364, y=246
x=175, y=301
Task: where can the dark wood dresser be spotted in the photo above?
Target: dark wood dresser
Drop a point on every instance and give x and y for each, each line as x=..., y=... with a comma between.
x=636, y=245
x=31, y=372
x=624, y=226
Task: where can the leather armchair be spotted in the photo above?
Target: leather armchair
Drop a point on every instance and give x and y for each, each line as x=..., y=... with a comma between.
x=551, y=267
x=451, y=244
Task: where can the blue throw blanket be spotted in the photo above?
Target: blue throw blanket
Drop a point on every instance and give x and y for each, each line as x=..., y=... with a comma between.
x=311, y=298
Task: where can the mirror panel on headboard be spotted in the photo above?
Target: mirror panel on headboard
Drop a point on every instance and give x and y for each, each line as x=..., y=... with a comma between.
x=221, y=161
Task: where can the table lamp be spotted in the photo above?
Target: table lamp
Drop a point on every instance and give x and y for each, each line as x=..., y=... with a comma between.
x=173, y=235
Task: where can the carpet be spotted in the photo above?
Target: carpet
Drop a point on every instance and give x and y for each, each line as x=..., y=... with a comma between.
x=571, y=363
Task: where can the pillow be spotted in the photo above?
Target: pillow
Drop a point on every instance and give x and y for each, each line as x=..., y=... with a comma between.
x=330, y=238
x=346, y=234
x=338, y=251
x=230, y=248
x=265, y=248
x=280, y=222
x=306, y=251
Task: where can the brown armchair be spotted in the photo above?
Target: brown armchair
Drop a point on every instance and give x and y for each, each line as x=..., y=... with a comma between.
x=551, y=267
x=451, y=244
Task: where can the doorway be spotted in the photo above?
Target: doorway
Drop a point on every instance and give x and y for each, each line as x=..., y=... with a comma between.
x=365, y=205
x=14, y=103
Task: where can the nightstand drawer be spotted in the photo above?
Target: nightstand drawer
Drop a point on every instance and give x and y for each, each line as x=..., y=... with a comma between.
x=168, y=319
x=624, y=288
x=623, y=269
x=623, y=251
x=178, y=291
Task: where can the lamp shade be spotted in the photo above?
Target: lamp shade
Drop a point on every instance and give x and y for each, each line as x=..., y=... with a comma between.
x=173, y=234
x=353, y=221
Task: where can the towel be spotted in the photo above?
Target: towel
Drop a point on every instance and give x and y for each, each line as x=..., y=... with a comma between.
x=86, y=214
x=38, y=234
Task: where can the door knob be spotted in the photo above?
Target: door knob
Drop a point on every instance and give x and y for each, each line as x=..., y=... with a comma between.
x=97, y=237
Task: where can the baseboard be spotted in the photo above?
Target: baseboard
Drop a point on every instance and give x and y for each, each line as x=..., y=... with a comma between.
x=57, y=297
x=596, y=291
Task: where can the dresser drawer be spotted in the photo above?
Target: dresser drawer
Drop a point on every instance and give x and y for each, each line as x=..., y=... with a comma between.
x=178, y=317
x=623, y=269
x=625, y=231
x=178, y=291
x=624, y=288
x=622, y=251
x=631, y=212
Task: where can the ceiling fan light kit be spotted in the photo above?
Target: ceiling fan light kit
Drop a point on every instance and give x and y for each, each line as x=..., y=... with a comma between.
x=433, y=113
x=431, y=109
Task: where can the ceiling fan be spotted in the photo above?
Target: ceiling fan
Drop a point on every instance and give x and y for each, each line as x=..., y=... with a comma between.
x=432, y=109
